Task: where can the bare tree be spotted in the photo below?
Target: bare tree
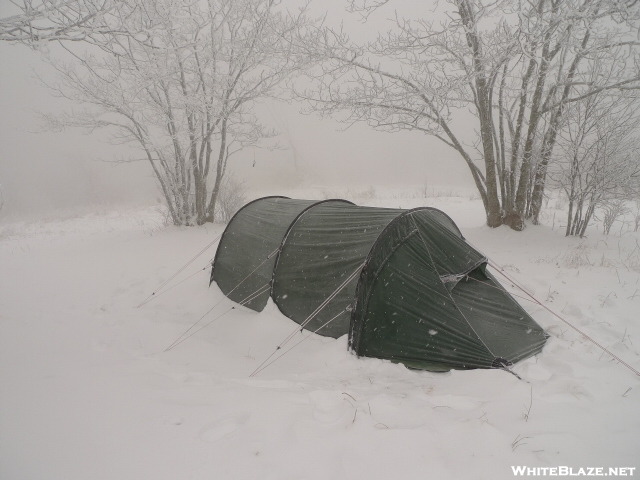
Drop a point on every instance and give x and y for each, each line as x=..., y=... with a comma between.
x=598, y=159
x=636, y=215
x=612, y=211
x=36, y=21
x=514, y=66
x=231, y=198
x=183, y=90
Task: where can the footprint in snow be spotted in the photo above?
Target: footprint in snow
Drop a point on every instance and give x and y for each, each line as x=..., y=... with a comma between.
x=222, y=427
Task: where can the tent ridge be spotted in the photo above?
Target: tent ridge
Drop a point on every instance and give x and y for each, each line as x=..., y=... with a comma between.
x=455, y=305
x=407, y=300
x=433, y=209
x=215, y=258
x=352, y=332
x=286, y=235
x=354, y=308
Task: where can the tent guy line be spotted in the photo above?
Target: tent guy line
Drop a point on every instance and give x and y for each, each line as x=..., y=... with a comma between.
x=294, y=230
x=183, y=337
x=180, y=270
x=289, y=231
x=408, y=304
x=326, y=301
x=265, y=365
x=300, y=328
x=500, y=270
x=249, y=298
x=168, y=289
x=502, y=362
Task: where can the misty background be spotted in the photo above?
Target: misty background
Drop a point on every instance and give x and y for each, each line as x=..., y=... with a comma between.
x=43, y=171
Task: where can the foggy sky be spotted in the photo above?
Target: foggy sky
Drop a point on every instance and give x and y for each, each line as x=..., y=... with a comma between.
x=42, y=171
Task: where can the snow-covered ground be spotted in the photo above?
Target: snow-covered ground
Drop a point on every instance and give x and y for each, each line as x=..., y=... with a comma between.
x=88, y=392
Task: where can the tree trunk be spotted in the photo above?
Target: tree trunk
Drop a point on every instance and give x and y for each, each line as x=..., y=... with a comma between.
x=220, y=171
x=540, y=179
x=577, y=218
x=587, y=218
x=483, y=104
x=567, y=231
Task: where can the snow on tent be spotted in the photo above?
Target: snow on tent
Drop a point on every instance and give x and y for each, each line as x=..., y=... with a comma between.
x=403, y=284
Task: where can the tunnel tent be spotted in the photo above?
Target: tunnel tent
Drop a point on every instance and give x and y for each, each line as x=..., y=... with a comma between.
x=403, y=284
x=246, y=255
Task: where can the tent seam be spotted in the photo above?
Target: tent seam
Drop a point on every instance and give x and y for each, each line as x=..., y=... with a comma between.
x=235, y=215
x=375, y=277
x=373, y=247
x=448, y=292
x=288, y=232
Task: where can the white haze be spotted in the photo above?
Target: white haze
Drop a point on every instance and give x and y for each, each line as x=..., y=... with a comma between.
x=42, y=172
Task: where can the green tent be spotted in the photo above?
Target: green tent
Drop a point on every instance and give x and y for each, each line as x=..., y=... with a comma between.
x=403, y=284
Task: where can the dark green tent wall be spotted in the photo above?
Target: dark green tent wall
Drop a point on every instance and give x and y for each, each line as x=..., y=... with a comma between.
x=404, y=284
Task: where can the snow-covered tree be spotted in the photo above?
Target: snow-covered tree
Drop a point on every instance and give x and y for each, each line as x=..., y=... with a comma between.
x=612, y=210
x=231, y=198
x=511, y=67
x=597, y=162
x=183, y=87
x=36, y=21
x=636, y=215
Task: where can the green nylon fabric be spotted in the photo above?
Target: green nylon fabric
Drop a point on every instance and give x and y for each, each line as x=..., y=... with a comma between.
x=405, y=311
x=507, y=330
x=408, y=320
x=420, y=294
x=241, y=266
x=427, y=302
x=326, y=245
x=252, y=234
